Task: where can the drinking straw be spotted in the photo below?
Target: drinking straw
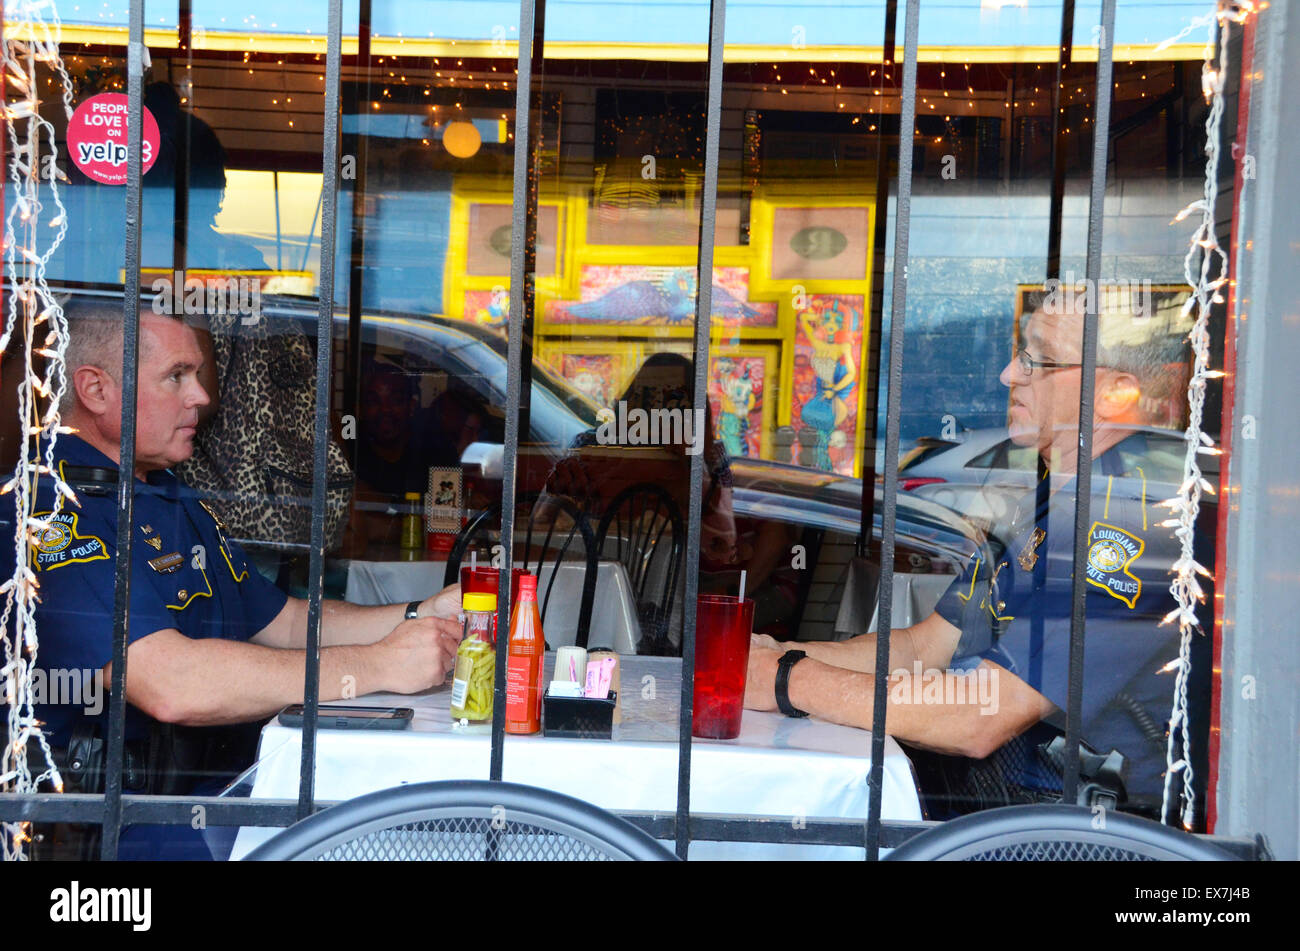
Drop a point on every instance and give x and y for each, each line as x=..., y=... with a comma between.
x=741, y=596
x=473, y=560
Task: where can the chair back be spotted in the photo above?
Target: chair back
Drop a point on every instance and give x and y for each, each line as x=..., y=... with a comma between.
x=462, y=821
x=1055, y=833
x=554, y=522
x=643, y=526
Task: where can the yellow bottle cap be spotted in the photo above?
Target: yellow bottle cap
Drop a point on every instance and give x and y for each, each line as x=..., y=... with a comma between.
x=479, y=601
x=413, y=496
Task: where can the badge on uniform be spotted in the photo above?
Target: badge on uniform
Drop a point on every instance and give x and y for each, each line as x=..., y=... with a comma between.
x=1028, y=556
x=221, y=542
x=59, y=544
x=1111, y=551
x=166, y=564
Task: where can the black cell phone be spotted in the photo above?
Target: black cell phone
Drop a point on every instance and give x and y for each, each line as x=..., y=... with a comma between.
x=341, y=717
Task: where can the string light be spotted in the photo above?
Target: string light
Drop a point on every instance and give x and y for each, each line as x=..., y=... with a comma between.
x=1203, y=245
x=30, y=38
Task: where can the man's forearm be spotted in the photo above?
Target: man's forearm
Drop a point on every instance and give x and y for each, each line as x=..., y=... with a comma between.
x=346, y=623
x=342, y=623
x=222, y=681
x=970, y=714
x=931, y=641
x=857, y=653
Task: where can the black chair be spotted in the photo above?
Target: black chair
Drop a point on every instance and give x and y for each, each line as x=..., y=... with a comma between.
x=1055, y=833
x=648, y=539
x=462, y=821
x=484, y=530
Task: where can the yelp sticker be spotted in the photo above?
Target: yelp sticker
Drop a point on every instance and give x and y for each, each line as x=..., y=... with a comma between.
x=97, y=138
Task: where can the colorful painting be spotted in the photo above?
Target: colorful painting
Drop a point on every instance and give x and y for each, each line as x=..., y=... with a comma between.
x=643, y=296
x=444, y=507
x=602, y=376
x=737, y=385
x=491, y=308
x=827, y=353
x=742, y=407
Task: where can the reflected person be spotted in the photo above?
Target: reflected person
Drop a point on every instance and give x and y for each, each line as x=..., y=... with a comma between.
x=986, y=673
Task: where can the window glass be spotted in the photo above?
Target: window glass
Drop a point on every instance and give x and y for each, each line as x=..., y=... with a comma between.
x=996, y=291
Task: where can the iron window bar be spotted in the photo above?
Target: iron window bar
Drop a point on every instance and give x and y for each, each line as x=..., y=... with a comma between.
x=1087, y=392
x=116, y=750
x=700, y=396
x=889, y=517
x=523, y=261
x=324, y=351
x=88, y=808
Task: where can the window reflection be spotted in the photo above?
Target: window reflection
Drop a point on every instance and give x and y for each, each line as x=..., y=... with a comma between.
x=810, y=142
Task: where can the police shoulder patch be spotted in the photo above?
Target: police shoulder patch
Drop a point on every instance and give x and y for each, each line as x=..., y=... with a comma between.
x=1111, y=552
x=59, y=543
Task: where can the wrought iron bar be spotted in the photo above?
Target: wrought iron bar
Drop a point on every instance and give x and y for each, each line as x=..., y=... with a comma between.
x=126, y=445
x=324, y=348
x=523, y=262
x=699, y=399
x=1087, y=392
x=889, y=516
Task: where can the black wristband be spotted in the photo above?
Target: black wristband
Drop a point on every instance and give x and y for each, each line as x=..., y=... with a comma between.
x=413, y=610
x=788, y=660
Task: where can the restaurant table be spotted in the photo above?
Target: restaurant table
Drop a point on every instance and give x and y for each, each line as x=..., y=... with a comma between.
x=613, y=615
x=778, y=766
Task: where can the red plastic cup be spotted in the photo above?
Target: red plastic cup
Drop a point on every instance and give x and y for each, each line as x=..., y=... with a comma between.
x=485, y=580
x=723, y=625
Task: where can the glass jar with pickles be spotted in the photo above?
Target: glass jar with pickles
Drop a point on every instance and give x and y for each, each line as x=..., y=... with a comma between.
x=475, y=673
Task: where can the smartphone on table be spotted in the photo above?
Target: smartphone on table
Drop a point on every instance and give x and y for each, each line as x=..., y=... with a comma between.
x=343, y=717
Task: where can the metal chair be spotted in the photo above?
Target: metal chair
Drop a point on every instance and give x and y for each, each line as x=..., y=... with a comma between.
x=1055, y=833
x=485, y=528
x=460, y=821
x=640, y=516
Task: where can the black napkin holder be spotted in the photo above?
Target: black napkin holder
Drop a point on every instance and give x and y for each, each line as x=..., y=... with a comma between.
x=579, y=718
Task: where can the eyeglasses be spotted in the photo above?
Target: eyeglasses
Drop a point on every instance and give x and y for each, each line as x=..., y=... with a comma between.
x=1029, y=364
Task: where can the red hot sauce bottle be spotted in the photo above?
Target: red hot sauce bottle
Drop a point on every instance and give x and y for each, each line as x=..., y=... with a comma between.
x=525, y=651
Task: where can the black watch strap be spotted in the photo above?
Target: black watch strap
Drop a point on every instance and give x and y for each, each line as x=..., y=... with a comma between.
x=413, y=610
x=788, y=660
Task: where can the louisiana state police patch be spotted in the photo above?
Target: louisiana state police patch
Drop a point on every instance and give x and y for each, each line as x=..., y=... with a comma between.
x=1111, y=552
x=59, y=543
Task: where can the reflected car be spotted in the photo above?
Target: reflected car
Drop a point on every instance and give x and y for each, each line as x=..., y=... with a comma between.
x=983, y=474
x=821, y=513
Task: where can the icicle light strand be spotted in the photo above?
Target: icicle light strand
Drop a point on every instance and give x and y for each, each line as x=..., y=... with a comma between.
x=1205, y=281
x=32, y=31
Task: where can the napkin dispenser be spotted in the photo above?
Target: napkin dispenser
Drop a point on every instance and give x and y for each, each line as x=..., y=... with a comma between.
x=580, y=718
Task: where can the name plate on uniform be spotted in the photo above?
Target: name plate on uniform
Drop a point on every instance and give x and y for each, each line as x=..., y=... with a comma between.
x=167, y=563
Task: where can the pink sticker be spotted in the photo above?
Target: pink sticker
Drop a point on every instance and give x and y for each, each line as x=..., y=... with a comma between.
x=97, y=138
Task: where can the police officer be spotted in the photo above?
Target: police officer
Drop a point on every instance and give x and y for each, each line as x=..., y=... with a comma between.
x=210, y=641
x=993, y=657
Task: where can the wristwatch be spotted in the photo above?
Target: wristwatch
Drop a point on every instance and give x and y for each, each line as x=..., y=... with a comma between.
x=413, y=610
x=788, y=660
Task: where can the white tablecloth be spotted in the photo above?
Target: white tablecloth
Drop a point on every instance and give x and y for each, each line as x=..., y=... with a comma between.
x=613, y=615
x=778, y=766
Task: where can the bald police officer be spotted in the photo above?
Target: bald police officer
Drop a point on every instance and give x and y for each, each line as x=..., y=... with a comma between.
x=210, y=641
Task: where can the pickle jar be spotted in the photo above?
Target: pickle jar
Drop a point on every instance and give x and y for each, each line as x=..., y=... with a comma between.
x=475, y=673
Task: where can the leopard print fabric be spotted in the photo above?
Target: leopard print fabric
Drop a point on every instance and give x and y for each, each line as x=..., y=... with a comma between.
x=252, y=460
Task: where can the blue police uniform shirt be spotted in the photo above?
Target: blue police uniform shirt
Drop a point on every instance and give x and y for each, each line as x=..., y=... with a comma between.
x=1016, y=613
x=185, y=574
